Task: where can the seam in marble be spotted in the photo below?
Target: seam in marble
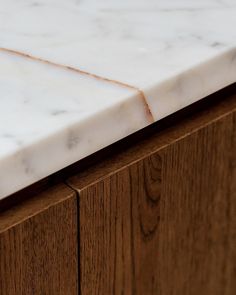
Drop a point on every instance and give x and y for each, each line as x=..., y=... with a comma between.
x=82, y=72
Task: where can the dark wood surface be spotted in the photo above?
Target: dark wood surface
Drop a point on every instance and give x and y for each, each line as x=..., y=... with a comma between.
x=160, y=217
x=38, y=245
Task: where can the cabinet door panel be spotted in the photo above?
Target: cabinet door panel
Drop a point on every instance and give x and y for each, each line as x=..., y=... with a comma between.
x=38, y=245
x=160, y=217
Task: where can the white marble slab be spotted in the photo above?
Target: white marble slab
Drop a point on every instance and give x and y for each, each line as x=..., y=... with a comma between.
x=97, y=71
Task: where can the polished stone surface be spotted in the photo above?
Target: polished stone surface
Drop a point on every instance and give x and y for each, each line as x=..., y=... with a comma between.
x=76, y=76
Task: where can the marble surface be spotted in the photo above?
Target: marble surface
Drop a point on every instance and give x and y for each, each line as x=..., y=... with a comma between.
x=76, y=76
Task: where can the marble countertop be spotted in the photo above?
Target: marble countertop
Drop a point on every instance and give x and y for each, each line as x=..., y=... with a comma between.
x=76, y=76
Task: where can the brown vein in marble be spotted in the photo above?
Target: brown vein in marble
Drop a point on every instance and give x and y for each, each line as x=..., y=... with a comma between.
x=82, y=72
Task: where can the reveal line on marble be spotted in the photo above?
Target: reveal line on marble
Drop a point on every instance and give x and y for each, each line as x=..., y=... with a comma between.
x=82, y=72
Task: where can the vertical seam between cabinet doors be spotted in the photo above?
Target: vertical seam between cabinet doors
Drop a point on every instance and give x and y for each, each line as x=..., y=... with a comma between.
x=78, y=243
x=78, y=236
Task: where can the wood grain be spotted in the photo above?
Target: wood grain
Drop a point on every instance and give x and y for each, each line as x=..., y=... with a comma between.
x=160, y=217
x=198, y=212
x=118, y=225
x=38, y=245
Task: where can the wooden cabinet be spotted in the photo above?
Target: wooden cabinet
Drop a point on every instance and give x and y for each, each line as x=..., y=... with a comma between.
x=156, y=218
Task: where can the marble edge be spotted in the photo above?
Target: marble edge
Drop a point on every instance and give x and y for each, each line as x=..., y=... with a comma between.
x=32, y=162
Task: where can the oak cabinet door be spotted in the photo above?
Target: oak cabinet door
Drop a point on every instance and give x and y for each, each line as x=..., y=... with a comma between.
x=160, y=218
x=38, y=245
